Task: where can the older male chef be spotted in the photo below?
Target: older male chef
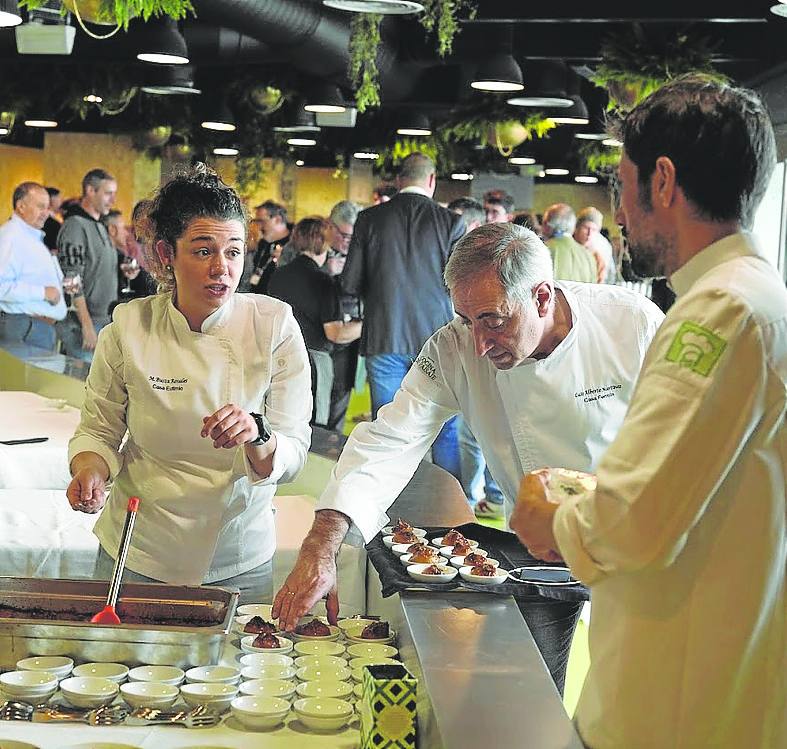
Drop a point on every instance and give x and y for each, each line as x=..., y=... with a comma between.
x=541, y=371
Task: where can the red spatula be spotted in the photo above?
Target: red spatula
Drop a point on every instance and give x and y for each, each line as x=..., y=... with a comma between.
x=107, y=615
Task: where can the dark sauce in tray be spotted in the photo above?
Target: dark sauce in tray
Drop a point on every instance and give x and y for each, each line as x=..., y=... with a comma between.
x=162, y=618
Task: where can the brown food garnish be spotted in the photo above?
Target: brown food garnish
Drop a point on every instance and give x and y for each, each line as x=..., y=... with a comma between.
x=402, y=525
x=376, y=631
x=425, y=556
x=405, y=537
x=432, y=569
x=415, y=548
x=266, y=641
x=472, y=558
x=450, y=538
x=258, y=626
x=314, y=628
x=484, y=570
x=461, y=548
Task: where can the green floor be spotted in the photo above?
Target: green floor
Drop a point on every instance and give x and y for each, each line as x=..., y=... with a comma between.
x=579, y=660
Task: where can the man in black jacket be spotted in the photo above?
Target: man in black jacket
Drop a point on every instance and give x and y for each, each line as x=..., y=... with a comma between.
x=395, y=265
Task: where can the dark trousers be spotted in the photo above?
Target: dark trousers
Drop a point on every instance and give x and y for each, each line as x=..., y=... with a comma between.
x=552, y=624
x=27, y=329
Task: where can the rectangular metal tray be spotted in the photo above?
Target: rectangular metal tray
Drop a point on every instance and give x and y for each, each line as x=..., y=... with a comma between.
x=178, y=625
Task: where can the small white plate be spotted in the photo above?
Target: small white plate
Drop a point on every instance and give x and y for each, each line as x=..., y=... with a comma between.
x=88, y=691
x=334, y=635
x=268, y=688
x=415, y=571
x=241, y=621
x=400, y=549
x=149, y=694
x=58, y=665
x=265, y=659
x=165, y=674
x=350, y=623
x=372, y=650
x=213, y=675
x=323, y=713
x=255, y=609
x=322, y=647
x=390, y=543
x=405, y=559
x=338, y=689
x=389, y=531
x=355, y=637
x=259, y=713
x=331, y=673
x=116, y=672
x=246, y=646
x=257, y=673
x=448, y=551
x=500, y=577
x=320, y=661
x=460, y=561
x=439, y=542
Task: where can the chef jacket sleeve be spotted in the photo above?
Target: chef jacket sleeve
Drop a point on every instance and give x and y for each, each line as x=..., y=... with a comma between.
x=699, y=396
x=380, y=457
x=288, y=404
x=102, y=424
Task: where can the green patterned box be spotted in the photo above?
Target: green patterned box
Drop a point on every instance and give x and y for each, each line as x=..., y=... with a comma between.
x=387, y=707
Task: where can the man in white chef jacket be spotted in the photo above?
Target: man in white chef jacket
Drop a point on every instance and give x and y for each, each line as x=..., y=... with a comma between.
x=542, y=371
x=683, y=542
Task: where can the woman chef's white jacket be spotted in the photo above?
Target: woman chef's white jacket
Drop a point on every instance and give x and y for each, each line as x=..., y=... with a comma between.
x=205, y=514
x=563, y=410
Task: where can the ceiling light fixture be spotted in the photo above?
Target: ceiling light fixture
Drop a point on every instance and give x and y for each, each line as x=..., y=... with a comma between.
x=586, y=179
x=556, y=171
x=462, y=176
x=225, y=151
x=223, y=121
x=168, y=80
x=325, y=99
x=92, y=99
x=500, y=73
x=9, y=14
x=299, y=162
x=541, y=174
x=297, y=120
x=521, y=160
x=383, y=7
x=577, y=114
x=415, y=123
x=539, y=101
x=777, y=10
x=4, y=131
x=40, y=123
x=163, y=44
x=301, y=142
x=366, y=155
x=612, y=143
x=591, y=136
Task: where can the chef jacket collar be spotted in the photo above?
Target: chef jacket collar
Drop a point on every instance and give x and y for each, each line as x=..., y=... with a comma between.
x=211, y=324
x=730, y=247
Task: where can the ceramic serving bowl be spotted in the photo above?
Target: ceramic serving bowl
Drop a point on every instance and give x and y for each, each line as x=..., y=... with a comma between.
x=354, y=636
x=260, y=713
x=267, y=672
x=217, y=697
x=58, y=665
x=268, y=688
x=334, y=633
x=323, y=713
x=448, y=551
x=372, y=650
x=338, y=689
x=310, y=673
x=165, y=674
x=89, y=691
x=265, y=659
x=467, y=574
x=416, y=571
x=149, y=694
x=116, y=672
x=407, y=559
x=389, y=531
x=320, y=661
x=213, y=675
x=319, y=647
x=255, y=609
x=460, y=561
x=285, y=645
x=28, y=686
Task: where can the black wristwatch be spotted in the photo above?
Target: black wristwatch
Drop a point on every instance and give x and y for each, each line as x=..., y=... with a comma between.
x=263, y=427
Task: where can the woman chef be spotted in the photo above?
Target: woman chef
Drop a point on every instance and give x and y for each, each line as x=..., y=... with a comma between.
x=212, y=390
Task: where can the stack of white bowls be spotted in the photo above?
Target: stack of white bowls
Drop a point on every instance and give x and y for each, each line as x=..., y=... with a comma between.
x=323, y=713
x=59, y=665
x=28, y=686
x=260, y=713
x=213, y=675
x=216, y=697
x=89, y=691
x=116, y=672
x=149, y=694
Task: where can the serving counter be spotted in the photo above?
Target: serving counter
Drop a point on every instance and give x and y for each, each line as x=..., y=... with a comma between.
x=481, y=678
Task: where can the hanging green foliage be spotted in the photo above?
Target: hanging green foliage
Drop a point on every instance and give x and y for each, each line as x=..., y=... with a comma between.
x=635, y=64
x=120, y=12
x=390, y=158
x=503, y=134
x=248, y=173
x=442, y=18
x=600, y=159
x=364, y=41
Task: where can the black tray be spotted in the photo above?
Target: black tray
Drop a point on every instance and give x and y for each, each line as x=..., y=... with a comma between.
x=503, y=546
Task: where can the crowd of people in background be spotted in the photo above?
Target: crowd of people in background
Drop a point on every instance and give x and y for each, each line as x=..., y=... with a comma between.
x=365, y=285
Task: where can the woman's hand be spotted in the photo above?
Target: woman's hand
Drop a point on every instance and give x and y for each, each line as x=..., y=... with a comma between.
x=87, y=490
x=230, y=426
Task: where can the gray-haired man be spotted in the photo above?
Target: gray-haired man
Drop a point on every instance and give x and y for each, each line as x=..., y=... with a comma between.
x=542, y=372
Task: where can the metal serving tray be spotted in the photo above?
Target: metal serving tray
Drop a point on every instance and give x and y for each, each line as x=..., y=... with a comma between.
x=177, y=625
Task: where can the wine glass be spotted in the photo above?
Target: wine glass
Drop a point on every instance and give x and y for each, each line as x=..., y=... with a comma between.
x=128, y=267
x=72, y=284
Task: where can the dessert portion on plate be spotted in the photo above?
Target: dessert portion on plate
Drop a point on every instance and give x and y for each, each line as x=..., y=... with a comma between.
x=266, y=640
x=258, y=626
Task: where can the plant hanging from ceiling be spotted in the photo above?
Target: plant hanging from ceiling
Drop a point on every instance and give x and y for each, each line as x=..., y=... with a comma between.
x=390, y=158
x=442, y=18
x=364, y=41
x=504, y=133
x=119, y=12
x=600, y=159
x=635, y=63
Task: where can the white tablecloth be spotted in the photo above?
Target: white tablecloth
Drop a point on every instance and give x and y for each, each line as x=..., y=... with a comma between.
x=41, y=536
x=42, y=465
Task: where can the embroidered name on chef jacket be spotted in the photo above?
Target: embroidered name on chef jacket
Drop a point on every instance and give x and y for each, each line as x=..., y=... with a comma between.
x=427, y=366
x=599, y=393
x=167, y=383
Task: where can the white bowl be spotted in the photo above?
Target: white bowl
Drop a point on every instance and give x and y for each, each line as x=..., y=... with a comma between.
x=357, y=665
x=416, y=572
x=338, y=689
x=390, y=543
x=213, y=675
x=215, y=696
x=310, y=673
x=460, y=561
x=439, y=542
x=355, y=637
x=260, y=713
x=165, y=674
x=358, y=691
x=58, y=665
x=116, y=672
x=323, y=713
x=241, y=621
x=353, y=622
x=319, y=647
x=285, y=645
x=400, y=549
x=255, y=609
x=389, y=531
x=149, y=694
x=268, y=672
x=372, y=650
x=320, y=661
x=334, y=635
x=88, y=691
x=405, y=559
x=268, y=688
x=34, y=698
x=27, y=683
x=448, y=551
x=500, y=577
x=265, y=659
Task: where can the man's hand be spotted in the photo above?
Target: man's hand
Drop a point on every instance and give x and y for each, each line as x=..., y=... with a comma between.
x=89, y=338
x=312, y=578
x=51, y=295
x=230, y=426
x=533, y=515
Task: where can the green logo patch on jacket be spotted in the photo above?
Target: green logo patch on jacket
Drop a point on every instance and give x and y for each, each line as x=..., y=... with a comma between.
x=696, y=348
